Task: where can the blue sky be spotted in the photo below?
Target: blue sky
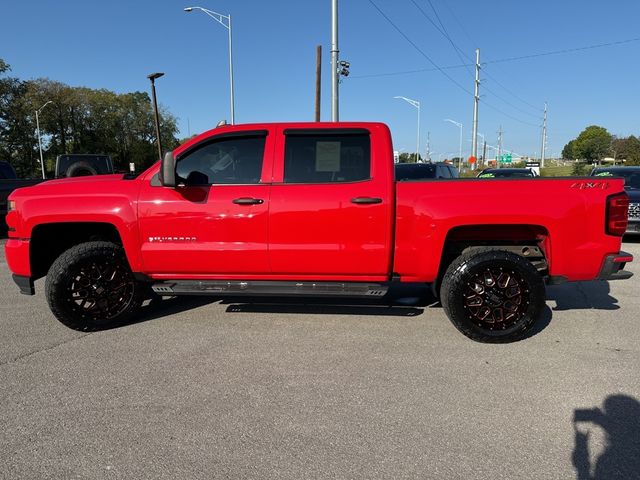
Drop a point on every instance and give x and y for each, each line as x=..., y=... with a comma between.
x=115, y=44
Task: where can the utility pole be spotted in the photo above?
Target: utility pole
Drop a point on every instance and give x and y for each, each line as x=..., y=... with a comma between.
x=544, y=136
x=499, y=147
x=318, y=78
x=335, y=116
x=484, y=153
x=476, y=98
x=428, y=157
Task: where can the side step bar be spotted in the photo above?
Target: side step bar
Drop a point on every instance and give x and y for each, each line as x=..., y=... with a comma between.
x=263, y=288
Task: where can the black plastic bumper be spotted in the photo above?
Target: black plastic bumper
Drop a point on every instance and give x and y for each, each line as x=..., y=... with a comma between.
x=613, y=267
x=25, y=284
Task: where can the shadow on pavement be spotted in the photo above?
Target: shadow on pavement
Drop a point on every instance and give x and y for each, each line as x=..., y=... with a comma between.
x=582, y=295
x=619, y=419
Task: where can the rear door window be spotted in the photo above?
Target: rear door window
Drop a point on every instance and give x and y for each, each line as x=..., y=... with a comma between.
x=327, y=157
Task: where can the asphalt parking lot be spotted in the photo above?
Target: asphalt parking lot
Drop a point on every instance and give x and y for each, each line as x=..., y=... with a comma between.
x=202, y=388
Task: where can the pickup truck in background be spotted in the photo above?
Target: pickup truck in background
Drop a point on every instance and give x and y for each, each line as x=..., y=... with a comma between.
x=311, y=209
x=82, y=165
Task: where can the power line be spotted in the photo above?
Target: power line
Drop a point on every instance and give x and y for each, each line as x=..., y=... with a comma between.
x=407, y=72
x=566, y=50
x=443, y=31
x=502, y=60
x=460, y=53
x=440, y=69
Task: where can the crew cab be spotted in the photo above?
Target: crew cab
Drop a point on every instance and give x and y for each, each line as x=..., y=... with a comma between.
x=311, y=209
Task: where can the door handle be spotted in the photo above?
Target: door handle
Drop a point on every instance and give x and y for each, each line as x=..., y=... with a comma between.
x=366, y=200
x=248, y=201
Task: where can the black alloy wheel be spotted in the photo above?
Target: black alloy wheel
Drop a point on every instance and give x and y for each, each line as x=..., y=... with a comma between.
x=91, y=287
x=492, y=295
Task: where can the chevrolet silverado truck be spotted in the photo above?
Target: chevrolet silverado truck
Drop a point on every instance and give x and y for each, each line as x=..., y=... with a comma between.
x=311, y=209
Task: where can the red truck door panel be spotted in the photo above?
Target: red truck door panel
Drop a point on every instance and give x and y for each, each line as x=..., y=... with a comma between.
x=328, y=215
x=216, y=221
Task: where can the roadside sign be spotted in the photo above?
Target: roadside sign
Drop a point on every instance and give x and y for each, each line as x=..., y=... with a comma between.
x=472, y=159
x=535, y=166
x=505, y=158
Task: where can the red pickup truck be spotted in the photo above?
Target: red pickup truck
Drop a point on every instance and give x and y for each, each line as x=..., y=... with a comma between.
x=311, y=209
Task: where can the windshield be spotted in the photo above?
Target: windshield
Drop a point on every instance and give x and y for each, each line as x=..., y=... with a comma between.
x=506, y=173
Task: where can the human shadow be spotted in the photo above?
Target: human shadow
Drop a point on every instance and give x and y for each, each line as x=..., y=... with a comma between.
x=582, y=295
x=619, y=418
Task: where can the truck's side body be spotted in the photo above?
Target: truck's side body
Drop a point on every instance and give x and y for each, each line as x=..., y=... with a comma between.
x=311, y=202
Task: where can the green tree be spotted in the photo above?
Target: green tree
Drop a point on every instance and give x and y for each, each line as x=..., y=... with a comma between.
x=579, y=169
x=593, y=144
x=627, y=149
x=406, y=157
x=568, y=151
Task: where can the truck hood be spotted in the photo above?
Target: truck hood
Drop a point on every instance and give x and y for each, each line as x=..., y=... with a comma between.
x=70, y=186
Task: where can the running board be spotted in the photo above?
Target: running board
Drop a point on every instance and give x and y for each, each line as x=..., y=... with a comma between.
x=220, y=287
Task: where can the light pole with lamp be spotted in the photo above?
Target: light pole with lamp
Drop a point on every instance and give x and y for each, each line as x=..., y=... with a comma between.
x=459, y=125
x=218, y=17
x=39, y=138
x=416, y=104
x=152, y=77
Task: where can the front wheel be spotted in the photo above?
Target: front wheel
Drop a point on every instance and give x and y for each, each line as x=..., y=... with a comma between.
x=91, y=287
x=492, y=296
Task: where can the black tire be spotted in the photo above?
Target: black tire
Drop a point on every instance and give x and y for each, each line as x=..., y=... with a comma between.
x=90, y=287
x=81, y=169
x=492, y=296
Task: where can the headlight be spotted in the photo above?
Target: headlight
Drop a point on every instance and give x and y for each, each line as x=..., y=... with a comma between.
x=11, y=205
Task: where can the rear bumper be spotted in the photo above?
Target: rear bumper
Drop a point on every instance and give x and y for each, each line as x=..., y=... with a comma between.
x=613, y=267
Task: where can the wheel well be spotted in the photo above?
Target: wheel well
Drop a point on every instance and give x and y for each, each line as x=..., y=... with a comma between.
x=49, y=240
x=529, y=241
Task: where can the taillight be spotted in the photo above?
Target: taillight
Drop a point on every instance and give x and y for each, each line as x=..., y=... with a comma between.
x=617, y=214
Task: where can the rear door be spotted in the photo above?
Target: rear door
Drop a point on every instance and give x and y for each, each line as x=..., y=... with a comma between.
x=330, y=209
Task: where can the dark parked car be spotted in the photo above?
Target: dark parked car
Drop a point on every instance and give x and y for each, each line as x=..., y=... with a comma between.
x=424, y=171
x=507, y=173
x=631, y=177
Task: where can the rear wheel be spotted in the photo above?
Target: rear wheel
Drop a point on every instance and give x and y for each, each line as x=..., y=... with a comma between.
x=492, y=295
x=91, y=287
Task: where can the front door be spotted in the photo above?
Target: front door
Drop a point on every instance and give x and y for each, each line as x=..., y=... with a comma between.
x=215, y=221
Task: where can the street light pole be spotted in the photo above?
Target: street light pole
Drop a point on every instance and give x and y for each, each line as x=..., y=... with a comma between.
x=416, y=104
x=152, y=77
x=218, y=17
x=39, y=138
x=335, y=76
x=459, y=125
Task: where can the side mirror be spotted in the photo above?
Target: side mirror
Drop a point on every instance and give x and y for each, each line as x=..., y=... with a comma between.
x=168, y=170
